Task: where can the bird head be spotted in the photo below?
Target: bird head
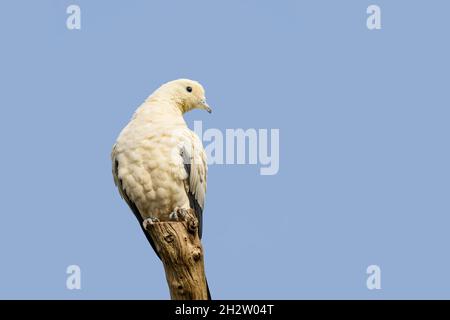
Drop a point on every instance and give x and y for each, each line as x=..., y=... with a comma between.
x=187, y=94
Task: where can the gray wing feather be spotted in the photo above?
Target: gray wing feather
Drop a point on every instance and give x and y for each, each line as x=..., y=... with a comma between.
x=195, y=180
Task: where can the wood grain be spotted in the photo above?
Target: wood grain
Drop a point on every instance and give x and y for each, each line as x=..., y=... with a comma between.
x=181, y=252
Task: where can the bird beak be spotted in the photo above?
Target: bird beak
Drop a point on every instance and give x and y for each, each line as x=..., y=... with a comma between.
x=205, y=106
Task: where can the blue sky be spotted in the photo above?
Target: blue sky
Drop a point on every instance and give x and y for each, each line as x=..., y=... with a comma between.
x=363, y=121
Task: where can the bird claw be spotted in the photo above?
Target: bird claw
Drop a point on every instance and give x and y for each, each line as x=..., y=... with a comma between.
x=177, y=214
x=173, y=216
x=149, y=221
x=182, y=212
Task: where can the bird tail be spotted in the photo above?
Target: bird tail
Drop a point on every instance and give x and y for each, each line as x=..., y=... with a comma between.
x=207, y=289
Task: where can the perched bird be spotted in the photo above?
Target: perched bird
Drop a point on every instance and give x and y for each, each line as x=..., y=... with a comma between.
x=159, y=164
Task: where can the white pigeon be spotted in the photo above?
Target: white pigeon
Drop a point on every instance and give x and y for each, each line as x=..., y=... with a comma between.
x=159, y=164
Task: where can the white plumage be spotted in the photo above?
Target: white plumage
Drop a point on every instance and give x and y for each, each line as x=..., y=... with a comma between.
x=159, y=164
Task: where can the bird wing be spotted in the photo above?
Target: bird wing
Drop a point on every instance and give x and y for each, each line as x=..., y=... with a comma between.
x=123, y=194
x=194, y=160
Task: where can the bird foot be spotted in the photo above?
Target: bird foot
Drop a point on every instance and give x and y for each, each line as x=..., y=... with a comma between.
x=149, y=221
x=173, y=216
x=177, y=214
x=182, y=212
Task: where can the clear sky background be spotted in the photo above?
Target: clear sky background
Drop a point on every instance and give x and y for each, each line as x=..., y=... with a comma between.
x=364, y=145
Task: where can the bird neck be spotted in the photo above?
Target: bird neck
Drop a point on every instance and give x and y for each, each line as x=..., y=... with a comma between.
x=158, y=110
x=169, y=101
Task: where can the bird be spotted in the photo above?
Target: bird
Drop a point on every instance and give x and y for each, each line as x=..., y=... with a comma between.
x=159, y=165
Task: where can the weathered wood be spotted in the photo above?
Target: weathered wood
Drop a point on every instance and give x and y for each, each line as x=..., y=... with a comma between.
x=181, y=252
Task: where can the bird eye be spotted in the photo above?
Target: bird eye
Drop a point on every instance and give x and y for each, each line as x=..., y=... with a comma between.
x=189, y=89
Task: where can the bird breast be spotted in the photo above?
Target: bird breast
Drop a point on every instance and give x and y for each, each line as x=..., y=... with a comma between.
x=151, y=168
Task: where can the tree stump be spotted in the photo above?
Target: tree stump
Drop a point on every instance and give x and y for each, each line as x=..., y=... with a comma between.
x=181, y=253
